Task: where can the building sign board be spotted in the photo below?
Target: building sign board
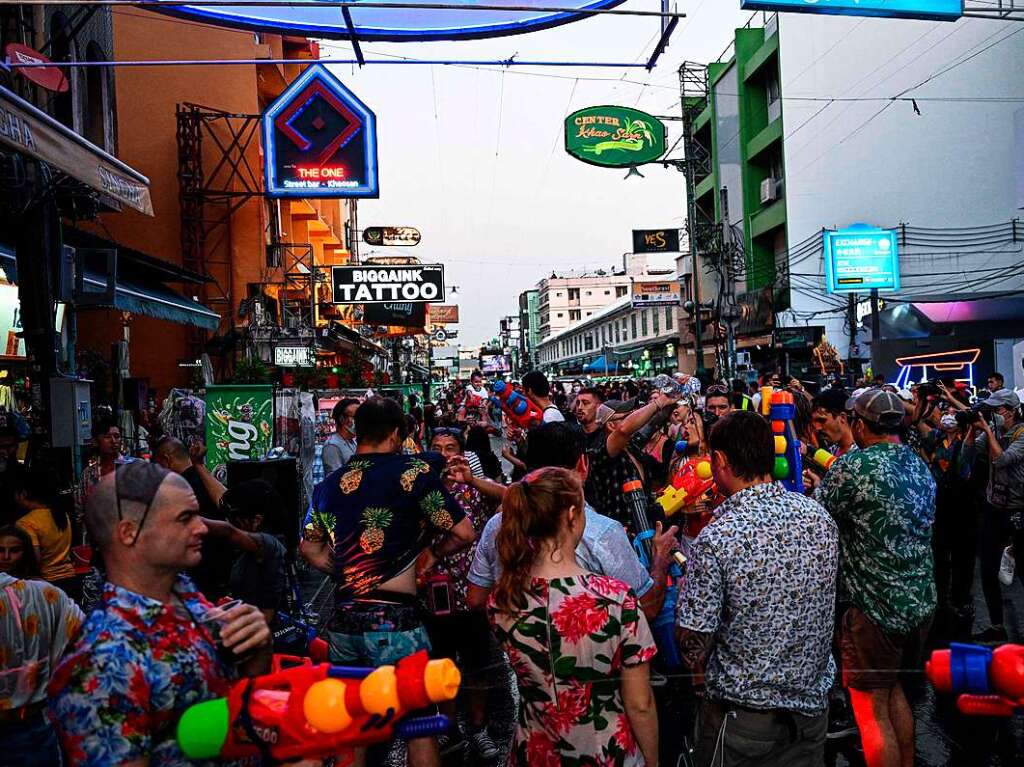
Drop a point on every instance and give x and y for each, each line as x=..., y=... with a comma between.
x=614, y=137
x=406, y=315
x=861, y=258
x=655, y=294
x=319, y=140
x=239, y=425
x=293, y=357
x=655, y=240
x=421, y=283
x=397, y=24
x=392, y=236
x=444, y=314
x=31, y=132
x=943, y=10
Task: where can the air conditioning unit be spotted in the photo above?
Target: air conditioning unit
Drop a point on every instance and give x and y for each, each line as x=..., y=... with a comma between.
x=769, y=190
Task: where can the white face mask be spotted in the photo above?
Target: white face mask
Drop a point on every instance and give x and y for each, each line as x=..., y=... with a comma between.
x=948, y=422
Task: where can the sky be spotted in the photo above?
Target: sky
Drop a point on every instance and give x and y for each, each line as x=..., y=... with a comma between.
x=473, y=156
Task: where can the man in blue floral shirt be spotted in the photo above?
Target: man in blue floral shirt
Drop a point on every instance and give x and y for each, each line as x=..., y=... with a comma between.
x=150, y=651
x=883, y=499
x=756, y=611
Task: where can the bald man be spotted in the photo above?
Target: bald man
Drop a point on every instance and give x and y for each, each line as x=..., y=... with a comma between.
x=214, y=572
x=154, y=647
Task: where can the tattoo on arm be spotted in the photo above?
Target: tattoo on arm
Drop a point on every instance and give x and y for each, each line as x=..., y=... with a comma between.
x=694, y=647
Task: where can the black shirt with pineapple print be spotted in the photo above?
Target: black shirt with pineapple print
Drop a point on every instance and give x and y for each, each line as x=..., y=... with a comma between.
x=378, y=512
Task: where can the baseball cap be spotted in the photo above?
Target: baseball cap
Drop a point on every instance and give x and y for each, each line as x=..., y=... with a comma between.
x=878, y=406
x=614, y=407
x=1003, y=398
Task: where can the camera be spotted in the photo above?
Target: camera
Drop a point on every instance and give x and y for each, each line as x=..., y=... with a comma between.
x=927, y=390
x=981, y=410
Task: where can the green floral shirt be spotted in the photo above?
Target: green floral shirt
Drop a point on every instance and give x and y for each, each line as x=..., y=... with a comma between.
x=883, y=500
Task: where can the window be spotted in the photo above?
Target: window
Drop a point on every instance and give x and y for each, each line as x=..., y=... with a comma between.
x=643, y=322
x=632, y=322
x=589, y=313
x=616, y=328
x=656, y=320
x=607, y=292
x=559, y=315
x=62, y=48
x=587, y=293
x=574, y=294
x=588, y=342
x=558, y=294
x=574, y=314
x=620, y=291
x=98, y=96
x=669, y=317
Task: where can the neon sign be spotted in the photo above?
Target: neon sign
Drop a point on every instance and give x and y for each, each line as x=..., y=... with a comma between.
x=319, y=140
x=959, y=361
x=943, y=10
x=397, y=24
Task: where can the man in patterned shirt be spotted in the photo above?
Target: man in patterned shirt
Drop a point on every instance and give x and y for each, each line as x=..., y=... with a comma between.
x=882, y=496
x=758, y=607
x=151, y=650
x=368, y=524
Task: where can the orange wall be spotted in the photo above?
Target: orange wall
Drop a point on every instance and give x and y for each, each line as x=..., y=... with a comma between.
x=147, y=98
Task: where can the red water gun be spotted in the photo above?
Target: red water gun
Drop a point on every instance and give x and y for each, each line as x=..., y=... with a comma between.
x=518, y=408
x=986, y=682
x=316, y=711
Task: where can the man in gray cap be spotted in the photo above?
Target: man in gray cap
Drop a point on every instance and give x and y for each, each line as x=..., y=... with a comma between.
x=882, y=497
x=156, y=645
x=1000, y=435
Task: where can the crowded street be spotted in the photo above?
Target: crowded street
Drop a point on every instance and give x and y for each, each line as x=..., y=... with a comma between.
x=521, y=383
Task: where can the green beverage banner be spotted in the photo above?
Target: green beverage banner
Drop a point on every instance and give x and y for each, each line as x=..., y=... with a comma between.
x=614, y=137
x=239, y=425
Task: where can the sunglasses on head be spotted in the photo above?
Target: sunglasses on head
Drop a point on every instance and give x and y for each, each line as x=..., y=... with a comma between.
x=137, y=482
x=718, y=389
x=446, y=431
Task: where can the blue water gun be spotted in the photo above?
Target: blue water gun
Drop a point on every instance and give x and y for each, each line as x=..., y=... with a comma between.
x=788, y=463
x=663, y=626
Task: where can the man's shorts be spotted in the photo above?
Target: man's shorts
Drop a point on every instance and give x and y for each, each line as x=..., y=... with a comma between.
x=873, y=658
x=372, y=634
x=461, y=636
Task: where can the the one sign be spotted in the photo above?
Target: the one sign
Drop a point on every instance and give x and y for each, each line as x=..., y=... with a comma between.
x=444, y=314
x=655, y=294
x=388, y=284
x=391, y=236
x=943, y=10
x=406, y=315
x=239, y=425
x=408, y=24
x=655, y=240
x=32, y=132
x=293, y=357
x=614, y=137
x=49, y=77
x=861, y=258
x=319, y=140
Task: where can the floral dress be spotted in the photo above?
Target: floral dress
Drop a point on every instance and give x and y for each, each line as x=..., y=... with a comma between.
x=568, y=647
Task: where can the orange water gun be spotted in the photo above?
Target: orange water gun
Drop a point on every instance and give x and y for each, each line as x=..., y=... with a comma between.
x=691, y=481
x=518, y=408
x=986, y=682
x=316, y=711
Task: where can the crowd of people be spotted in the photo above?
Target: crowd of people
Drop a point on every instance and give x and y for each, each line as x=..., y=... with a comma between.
x=737, y=630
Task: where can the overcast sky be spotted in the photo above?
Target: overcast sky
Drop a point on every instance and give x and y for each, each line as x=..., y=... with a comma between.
x=473, y=157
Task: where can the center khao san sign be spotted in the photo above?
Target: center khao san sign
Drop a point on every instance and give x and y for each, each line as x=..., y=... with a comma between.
x=614, y=137
x=319, y=140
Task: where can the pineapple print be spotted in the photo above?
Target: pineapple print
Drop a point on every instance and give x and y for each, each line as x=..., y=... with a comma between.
x=353, y=477
x=433, y=506
x=375, y=520
x=410, y=474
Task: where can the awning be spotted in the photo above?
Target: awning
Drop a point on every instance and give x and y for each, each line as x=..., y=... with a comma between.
x=149, y=298
x=30, y=131
x=134, y=264
x=600, y=365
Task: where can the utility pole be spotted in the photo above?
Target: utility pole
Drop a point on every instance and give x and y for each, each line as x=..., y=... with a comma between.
x=875, y=330
x=693, y=96
x=731, y=314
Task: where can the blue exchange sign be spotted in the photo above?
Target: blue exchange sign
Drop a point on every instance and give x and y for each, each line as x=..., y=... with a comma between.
x=861, y=258
x=399, y=24
x=943, y=10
